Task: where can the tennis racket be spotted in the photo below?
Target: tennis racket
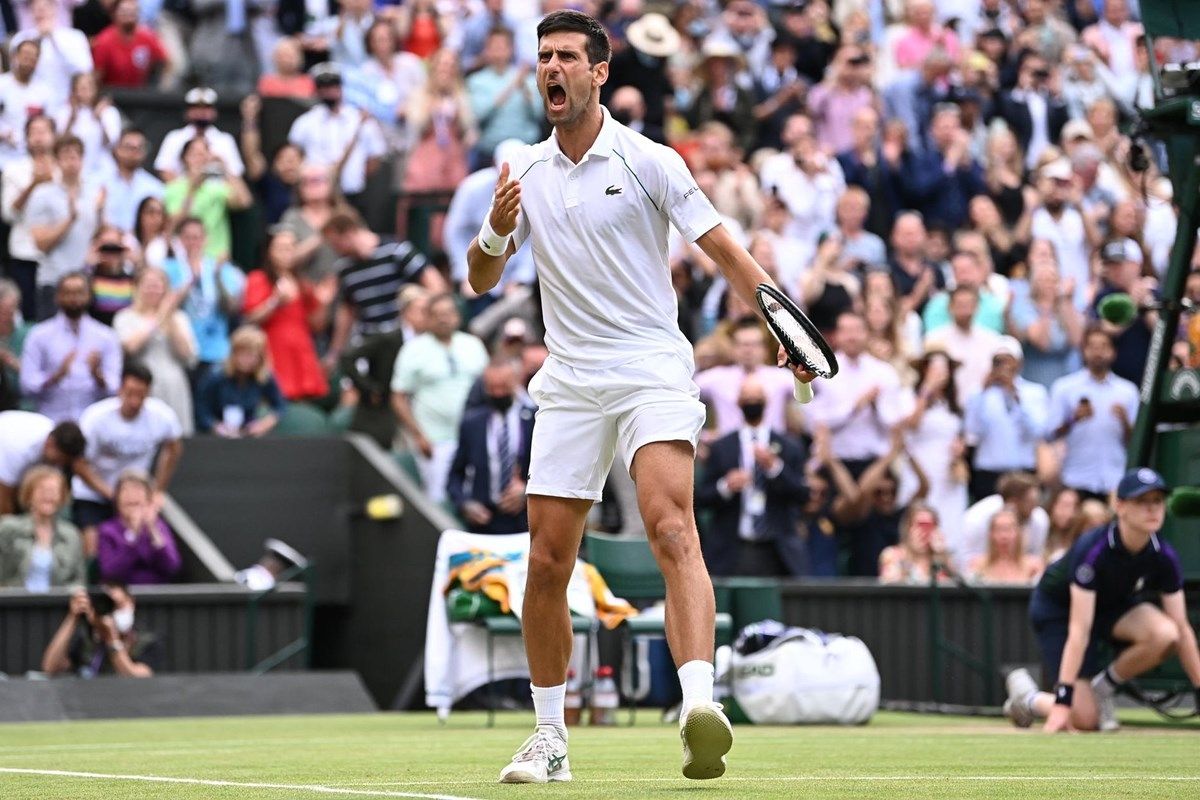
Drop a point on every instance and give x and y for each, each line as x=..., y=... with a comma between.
x=801, y=340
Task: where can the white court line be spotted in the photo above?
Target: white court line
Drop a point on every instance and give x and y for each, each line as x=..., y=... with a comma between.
x=813, y=778
x=315, y=789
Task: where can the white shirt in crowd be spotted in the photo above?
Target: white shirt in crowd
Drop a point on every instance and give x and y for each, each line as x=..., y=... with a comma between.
x=1069, y=238
x=325, y=134
x=1004, y=431
x=970, y=349
x=972, y=541
x=599, y=235
x=1095, y=456
x=220, y=144
x=17, y=100
x=65, y=53
x=16, y=178
x=22, y=439
x=811, y=200
x=864, y=434
x=115, y=444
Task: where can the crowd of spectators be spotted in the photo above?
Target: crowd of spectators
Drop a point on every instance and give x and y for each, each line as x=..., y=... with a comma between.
x=944, y=186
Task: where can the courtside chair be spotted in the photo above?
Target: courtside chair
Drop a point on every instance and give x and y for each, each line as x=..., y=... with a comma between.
x=628, y=567
x=510, y=626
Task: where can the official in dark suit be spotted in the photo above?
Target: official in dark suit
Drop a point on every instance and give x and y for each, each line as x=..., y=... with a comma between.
x=754, y=484
x=487, y=478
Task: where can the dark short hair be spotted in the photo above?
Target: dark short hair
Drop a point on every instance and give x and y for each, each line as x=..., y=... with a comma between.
x=138, y=371
x=501, y=30
x=1094, y=329
x=132, y=131
x=1015, y=485
x=599, y=48
x=344, y=220
x=74, y=275
x=967, y=290
x=68, y=141
x=29, y=123
x=187, y=222
x=36, y=42
x=195, y=141
x=68, y=439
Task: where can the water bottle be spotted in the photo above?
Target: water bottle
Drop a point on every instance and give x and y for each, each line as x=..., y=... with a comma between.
x=605, y=698
x=573, y=702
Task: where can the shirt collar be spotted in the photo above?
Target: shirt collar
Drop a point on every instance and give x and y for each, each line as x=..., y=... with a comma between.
x=605, y=139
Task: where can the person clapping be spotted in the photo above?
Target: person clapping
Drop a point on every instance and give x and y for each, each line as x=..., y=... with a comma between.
x=137, y=546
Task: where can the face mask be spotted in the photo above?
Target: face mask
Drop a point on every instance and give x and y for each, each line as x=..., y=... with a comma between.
x=123, y=619
x=201, y=124
x=753, y=412
x=501, y=404
x=330, y=102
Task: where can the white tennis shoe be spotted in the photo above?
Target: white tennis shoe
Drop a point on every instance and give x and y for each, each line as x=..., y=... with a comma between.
x=1106, y=704
x=1020, y=684
x=707, y=736
x=541, y=759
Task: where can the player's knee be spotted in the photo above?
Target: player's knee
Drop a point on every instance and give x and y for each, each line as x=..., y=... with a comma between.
x=550, y=567
x=672, y=538
x=1165, y=635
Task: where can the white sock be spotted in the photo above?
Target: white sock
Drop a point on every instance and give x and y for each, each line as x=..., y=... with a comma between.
x=548, y=702
x=696, y=680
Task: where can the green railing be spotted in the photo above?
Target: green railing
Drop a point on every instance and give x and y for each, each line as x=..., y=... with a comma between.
x=302, y=645
x=940, y=646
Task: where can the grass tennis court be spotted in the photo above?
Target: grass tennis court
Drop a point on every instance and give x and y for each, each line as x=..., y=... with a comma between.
x=410, y=755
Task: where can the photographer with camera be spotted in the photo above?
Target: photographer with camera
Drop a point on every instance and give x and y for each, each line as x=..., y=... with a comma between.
x=97, y=637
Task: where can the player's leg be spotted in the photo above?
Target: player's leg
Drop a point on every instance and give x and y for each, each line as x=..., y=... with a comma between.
x=663, y=472
x=1151, y=637
x=555, y=529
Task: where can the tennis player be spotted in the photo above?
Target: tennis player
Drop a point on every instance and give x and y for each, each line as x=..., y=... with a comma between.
x=1118, y=584
x=596, y=200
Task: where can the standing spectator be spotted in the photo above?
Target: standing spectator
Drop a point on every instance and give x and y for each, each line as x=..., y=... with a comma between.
x=289, y=78
x=157, y=333
x=127, y=184
x=941, y=180
x=152, y=235
x=275, y=188
x=384, y=82
x=754, y=484
x=64, y=53
x=860, y=247
x=136, y=547
x=241, y=399
x=1034, y=109
x=129, y=55
x=1005, y=173
x=207, y=191
x=1005, y=560
x=420, y=26
x=829, y=287
x=212, y=296
x=26, y=439
x=433, y=375
x=836, y=101
x=721, y=386
x=1121, y=273
x=201, y=118
x=734, y=191
x=111, y=274
x=339, y=136
x=1094, y=410
x=874, y=166
x=910, y=96
x=1006, y=421
x=504, y=98
x=315, y=204
x=643, y=66
x=808, y=182
x=12, y=340
x=70, y=360
x=343, y=35
x=94, y=120
x=862, y=408
x=964, y=340
x=912, y=273
x=130, y=430
x=1015, y=491
x=370, y=274
x=922, y=34
x=969, y=273
x=487, y=480
x=20, y=180
x=1114, y=38
x=223, y=52
x=62, y=216
x=780, y=92
x=1058, y=218
x=22, y=97
x=717, y=94
x=1043, y=316
x=290, y=309
x=473, y=32
x=39, y=549
x=933, y=436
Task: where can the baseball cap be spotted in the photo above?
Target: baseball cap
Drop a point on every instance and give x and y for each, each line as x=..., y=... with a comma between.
x=1121, y=250
x=1059, y=169
x=201, y=96
x=1138, y=482
x=1009, y=346
x=1077, y=129
x=515, y=328
x=326, y=73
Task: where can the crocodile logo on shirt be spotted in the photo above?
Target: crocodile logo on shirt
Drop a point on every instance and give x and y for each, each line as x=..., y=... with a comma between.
x=613, y=190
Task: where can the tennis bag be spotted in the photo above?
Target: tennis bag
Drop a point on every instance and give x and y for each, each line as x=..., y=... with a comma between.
x=789, y=676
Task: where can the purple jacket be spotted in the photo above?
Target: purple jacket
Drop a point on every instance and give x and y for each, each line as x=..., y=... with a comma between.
x=134, y=559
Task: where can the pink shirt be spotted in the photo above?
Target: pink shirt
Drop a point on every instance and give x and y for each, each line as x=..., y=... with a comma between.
x=833, y=111
x=720, y=386
x=914, y=46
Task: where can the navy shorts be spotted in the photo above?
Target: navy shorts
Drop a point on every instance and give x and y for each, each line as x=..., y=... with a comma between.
x=1050, y=626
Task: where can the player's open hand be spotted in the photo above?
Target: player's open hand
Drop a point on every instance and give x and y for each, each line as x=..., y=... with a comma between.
x=1059, y=719
x=505, y=203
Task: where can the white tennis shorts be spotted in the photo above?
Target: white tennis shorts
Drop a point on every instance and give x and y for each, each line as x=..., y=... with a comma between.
x=583, y=414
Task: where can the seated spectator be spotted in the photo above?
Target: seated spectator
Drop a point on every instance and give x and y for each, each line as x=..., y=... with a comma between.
x=129, y=55
x=289, y=308
x=62, y=217
x=71, y=360
x=64, y=51
x=288, y=78
x=94, y=640
x=201, y=117
x=111, y=274
x=342, y=35
x=921, y=552
x=92, y=119
x=128, y=184
x=1017, y=491
x=720, y=386
x=860, y=246
x=39, y=549
x=136, y=546
x=212, y=295
x=27, y=439
x=13, y=330
x=316, y=200
x=242, y=399
x=156, y=332
x=1065, y=512
x=1005, y=560
x=206, y=191
x=487, y=479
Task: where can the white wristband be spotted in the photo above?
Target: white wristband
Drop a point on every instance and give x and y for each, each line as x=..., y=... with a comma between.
x=491, y=242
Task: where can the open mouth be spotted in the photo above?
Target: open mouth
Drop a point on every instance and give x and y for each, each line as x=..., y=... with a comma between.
x=556, y=96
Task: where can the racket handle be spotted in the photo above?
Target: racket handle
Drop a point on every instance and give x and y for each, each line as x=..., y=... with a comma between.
x=803, y=392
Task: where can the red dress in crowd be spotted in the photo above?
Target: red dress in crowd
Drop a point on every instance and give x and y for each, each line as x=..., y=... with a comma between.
x=289, y=339
x=424, y=38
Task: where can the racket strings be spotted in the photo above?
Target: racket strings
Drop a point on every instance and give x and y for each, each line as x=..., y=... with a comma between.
x=795, y=339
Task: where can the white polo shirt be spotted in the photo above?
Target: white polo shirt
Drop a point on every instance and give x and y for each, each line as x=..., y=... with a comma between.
x=598, y=230
x=324, y=136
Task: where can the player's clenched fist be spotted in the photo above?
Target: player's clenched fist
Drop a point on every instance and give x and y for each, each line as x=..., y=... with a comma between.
x=505, y=203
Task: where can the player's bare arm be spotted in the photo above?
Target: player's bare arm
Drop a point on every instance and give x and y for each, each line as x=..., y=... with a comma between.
x=1079, y=626
x=744, y=275
x=490, y=250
